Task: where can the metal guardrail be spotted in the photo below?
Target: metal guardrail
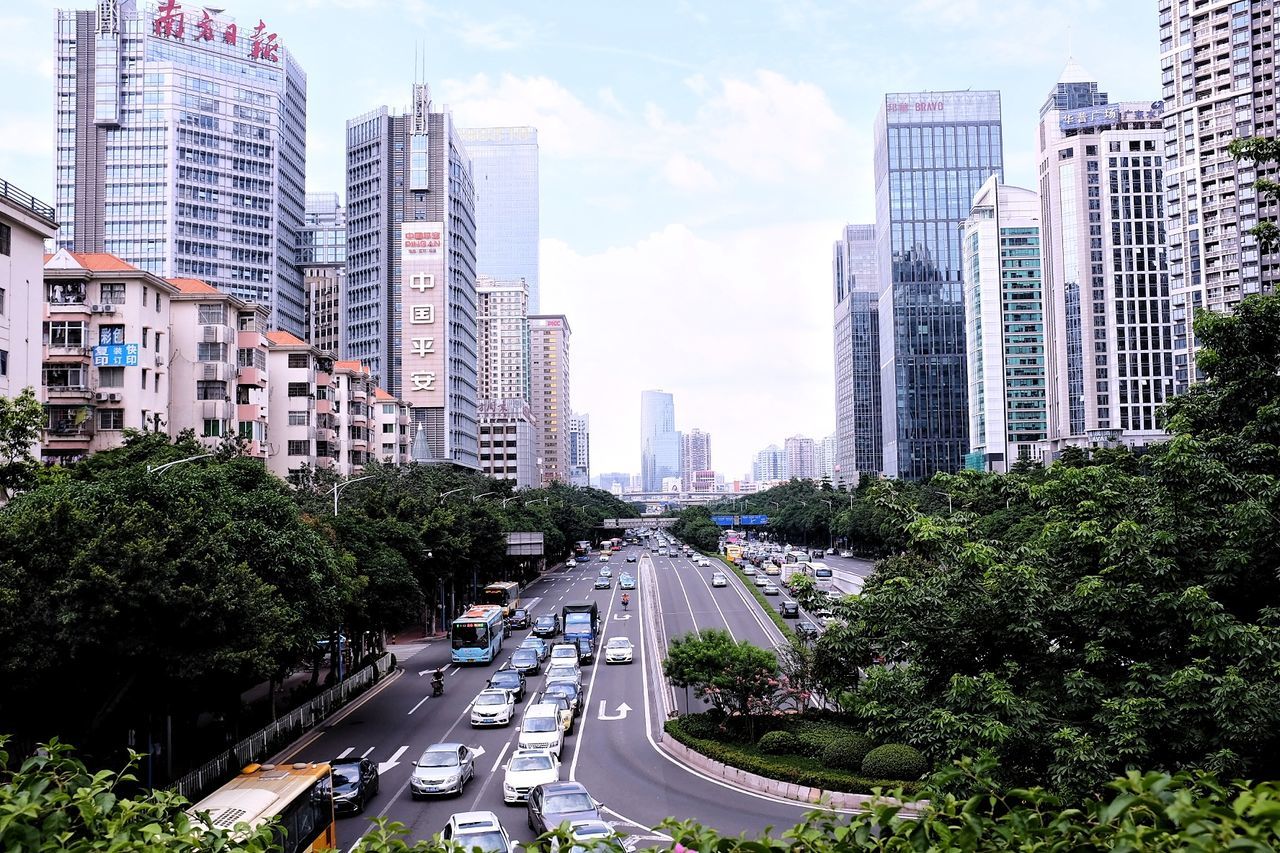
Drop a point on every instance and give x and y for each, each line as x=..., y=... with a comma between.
x=26, y=200
x=264, y=742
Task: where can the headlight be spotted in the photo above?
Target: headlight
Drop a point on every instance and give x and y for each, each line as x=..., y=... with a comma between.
x=507, y=789
x=452, y=780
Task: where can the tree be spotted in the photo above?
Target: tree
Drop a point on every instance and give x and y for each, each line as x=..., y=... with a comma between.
x=1261, y=151
x=21, y=419
x=736, y=677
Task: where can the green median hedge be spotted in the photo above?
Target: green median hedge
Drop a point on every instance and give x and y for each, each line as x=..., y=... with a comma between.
x=783, y=625
x=798, y=770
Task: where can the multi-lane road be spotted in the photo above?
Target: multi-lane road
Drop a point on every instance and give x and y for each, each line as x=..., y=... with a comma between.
x=613, y=750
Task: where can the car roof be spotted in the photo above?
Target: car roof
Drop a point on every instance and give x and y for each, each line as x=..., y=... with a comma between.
x=443, y=747
x=475, y=820
x=522, y=753
x=563, y=788
x=495, y=691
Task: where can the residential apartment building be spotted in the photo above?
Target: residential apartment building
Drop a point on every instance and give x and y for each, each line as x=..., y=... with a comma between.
x=390, y=429
x=502, y=339
x=504, y=169
x=25, y=223
x=799, y=452
x=509, y=441
x=181, y=147
x=550, y=400
x=659, y=441
x=580, y=449
x=105, y=353
x=300, y=407
x=1218, y=65
x=933, y=150
x=1005, y=328
x=770, y=465
x=323, y=259
x=695, y=455
x=855, y=277
x=1114, y=351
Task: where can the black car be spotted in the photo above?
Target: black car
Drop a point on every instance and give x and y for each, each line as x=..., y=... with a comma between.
x=552, y=803
x=789, y=610
x=355, y=782
x=526, y=662
x=568, y=691
x=807, y=631
x=547, y=625
x=519, y=618
x=509, y=679
x=586, y=651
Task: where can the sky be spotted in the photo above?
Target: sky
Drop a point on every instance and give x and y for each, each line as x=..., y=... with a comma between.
x=698, y=159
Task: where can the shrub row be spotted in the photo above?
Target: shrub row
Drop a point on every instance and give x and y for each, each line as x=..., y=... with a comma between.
x=797, y=770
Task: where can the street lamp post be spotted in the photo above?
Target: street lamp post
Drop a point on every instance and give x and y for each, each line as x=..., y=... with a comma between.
x=505, y=501
x=338, y=487
x=482, y=495
x=158, y=468
x=537, y=500
x=452, y=492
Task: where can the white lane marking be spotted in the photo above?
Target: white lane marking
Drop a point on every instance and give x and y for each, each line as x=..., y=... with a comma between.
x=365, y=754
x=501, y=755
x=456, y=670
x=346, y=752
x=384, y=766
x=689, y=604
x=623, y=710
x=419, y=705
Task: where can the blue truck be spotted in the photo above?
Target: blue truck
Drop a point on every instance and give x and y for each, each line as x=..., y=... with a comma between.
x=581, y=619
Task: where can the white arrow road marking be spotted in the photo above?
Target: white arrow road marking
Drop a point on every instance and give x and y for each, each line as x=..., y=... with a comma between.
x=498, y=763
x=384, y=766
x=621, y=617
x=476, y=752
x=623, y=710
x=346, y=752
x=423, y=672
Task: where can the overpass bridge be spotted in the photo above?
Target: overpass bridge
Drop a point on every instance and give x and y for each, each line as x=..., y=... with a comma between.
x=680, y=498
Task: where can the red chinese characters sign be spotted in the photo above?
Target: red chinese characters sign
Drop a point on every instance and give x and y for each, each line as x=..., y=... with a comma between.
x=171, y=22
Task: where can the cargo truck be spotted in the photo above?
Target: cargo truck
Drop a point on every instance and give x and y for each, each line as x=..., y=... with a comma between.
x=581, y=619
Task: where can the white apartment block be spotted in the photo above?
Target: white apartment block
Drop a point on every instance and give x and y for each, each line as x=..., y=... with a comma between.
x=509, y=442
x=798, y=452
x=549, y=386
x=390, y=442
x=25, y=223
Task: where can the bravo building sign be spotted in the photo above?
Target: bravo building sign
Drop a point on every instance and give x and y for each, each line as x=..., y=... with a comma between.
x=423, y=320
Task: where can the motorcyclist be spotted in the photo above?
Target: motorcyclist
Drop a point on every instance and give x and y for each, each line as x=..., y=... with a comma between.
x=437, y=682
x=626, y=599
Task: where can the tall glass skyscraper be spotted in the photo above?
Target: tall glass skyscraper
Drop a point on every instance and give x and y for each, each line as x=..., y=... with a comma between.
x=659, y=441
x=933, y=151
x=182, y=146
x=856, y=294
x=504, y=167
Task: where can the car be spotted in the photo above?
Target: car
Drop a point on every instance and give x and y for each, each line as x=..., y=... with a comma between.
x=718, y=579
x=540, y=729
x=444, y=768
x=473, y=830
x=772, y=570
x=626, y=582
x=831, y=552
x=761, y=580
x=510, y=680
x=807, y=630
x=564, y=671
x=789, y=610
x=553, y=803
x=619, y=650
x=603, y=582
x=586, y=651
x=565, y=653
x=520, y=618
x=604, y=558
x=546, y=625
x=770, y=589
x=538, y=644
x=606, y=572
x=526, y=769
x=568, y=691
x=493, y=706
x=526, y=661
x=631, y=558
x=846, y=554
x=564, y=708
x=824, y=616
x=822, y=572
x=591, y=835
x=355, y=782
x=749, y=571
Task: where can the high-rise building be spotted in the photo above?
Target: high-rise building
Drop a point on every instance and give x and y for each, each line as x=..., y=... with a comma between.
x=1112, y=343
x=933, y=150
x=504, y=169
x=614, y=481
x=856, y=290
x=181, y=147
x=411, y=269
x=1005, y=327
x=798, y=451
x=580, y=449
x=695, y=455
x=323, y=258
x=659, y=441
x=824, y=459
x=509, y=441
x=770, y=465
x=1219, y=64
x=25, y=223
x=502, y=315
x=549, y=368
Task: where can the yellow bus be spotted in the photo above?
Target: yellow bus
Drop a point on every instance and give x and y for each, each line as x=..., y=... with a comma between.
x=734, y=553
x=300, y=795
x=505, y=594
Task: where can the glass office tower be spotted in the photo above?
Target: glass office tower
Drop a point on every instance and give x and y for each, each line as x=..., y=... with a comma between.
x=659, y=441
x=856, y=293
x=933, y=151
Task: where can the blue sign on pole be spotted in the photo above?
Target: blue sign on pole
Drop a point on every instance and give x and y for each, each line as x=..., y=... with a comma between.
x=115, y=355
x=754, y=520
x=723, y=520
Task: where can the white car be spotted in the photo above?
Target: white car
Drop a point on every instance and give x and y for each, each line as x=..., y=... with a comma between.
x=770, y=589
x=762, y=580
x=846, y=554
x=540, y=729
x=585, y=832
x=749, y=570
x=718, y=579
x=619, y=650
x=563, y=653
x=493, y=707
x=528, y=767
x=477, y=829
x=703, y=562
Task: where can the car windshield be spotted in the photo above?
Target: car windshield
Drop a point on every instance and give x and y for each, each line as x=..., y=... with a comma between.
x=505, y=678
x=619, y=643
x=564, y=803
x=545, y=621
x=525, y=655
x=558, y=671
x=484, y=840
x=346, y=777
x=442, y=758
x=470, y=636
x=531, y=762
x=490, y=699
x=539, y=724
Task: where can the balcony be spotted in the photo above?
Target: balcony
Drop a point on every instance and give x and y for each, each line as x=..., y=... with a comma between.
x=324, y=407
x=250, y=339
x=215, y=409
x=68, y=434
x=215, y=370
x=68, y=393
x=251, y=376
x=324, y=463
x=250, y=412
x=324, y=379
x=359, y=392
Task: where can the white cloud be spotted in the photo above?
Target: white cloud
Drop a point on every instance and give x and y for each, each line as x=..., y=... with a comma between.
x=737, y=326
x=685, y=173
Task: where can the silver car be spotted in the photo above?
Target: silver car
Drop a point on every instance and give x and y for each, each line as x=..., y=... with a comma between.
x=444, y=768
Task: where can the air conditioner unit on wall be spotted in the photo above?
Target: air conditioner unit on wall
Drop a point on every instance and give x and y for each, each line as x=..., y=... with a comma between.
x=102, y=396
x=116, y=398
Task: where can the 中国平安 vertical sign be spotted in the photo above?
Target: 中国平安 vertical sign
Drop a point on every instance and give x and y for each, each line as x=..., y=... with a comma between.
x=424, y=320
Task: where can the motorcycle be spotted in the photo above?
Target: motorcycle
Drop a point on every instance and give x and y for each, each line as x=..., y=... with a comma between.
x=437, y=684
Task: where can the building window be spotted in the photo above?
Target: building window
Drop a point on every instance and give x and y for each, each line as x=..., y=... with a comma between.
x=6, y=239
x=214, y=428
x=64, y=376
x=206, y=351
x=299, y=448
x=302, y=418
x=3, y=302
x=111, y=419
x=112, y=293
x=299, y=389
x=110, y=377
x=65, y=334
x=299, y=359
x=211, y=389
x=212, y=315
x=4, y=362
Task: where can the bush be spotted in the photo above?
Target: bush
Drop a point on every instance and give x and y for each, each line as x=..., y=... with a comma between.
x=894, y=761
x=816, y=735
x=848, y=753
x=702, y=726
x=779, y=743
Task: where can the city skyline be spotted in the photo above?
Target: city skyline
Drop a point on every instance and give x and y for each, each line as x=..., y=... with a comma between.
x=688, y=129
